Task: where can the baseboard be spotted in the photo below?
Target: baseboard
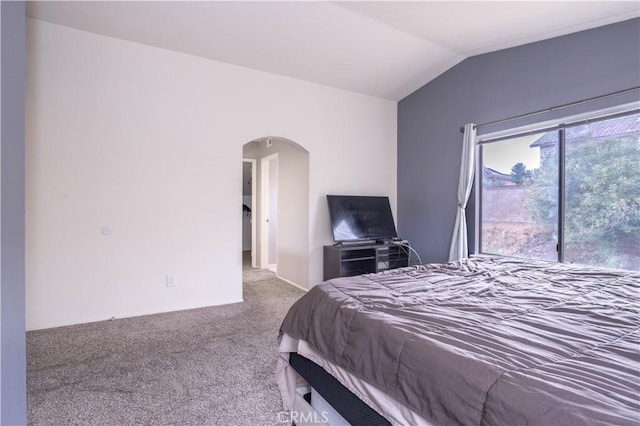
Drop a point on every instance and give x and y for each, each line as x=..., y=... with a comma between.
x=131, y=314
x=292, y=283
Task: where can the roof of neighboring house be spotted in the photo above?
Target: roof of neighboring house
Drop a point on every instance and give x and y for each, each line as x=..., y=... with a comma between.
x=615, y=127
x=491, y=173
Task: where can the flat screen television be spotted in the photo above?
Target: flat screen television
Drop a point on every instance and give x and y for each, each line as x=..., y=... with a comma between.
x=361, y=218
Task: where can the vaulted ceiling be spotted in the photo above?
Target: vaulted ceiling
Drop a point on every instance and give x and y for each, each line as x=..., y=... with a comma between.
x=384, y=49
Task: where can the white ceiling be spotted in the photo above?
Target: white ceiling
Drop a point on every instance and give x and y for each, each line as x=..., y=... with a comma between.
x=383, y=49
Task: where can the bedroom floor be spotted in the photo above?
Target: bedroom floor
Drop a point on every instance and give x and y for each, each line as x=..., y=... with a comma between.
x=202, y=366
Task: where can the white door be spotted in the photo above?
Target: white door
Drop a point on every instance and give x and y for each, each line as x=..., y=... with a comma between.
x=269, y=184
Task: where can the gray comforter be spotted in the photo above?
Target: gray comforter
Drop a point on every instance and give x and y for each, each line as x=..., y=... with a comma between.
x=486, y=341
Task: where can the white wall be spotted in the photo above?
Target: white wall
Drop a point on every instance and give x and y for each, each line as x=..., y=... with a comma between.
x=146, y=141
x=293, y=214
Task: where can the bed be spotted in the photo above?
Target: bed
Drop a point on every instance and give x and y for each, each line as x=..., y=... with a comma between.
x=482, y=341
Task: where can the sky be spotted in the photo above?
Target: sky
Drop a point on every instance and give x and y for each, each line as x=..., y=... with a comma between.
x=501, y=156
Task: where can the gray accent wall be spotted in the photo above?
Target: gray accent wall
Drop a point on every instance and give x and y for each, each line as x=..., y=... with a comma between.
x=491, y=87
x=13, y=393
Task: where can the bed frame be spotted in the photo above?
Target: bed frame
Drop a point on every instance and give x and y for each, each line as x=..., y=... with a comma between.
x=348, y=405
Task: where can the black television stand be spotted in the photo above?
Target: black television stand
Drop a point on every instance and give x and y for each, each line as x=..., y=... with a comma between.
x=346, y=260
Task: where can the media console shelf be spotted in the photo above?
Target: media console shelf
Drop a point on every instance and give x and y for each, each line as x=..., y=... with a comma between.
x=347, y=260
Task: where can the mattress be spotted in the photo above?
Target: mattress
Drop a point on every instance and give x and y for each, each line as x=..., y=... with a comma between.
x=484, y=340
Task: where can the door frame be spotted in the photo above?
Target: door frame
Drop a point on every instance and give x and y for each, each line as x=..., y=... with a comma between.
x=264, y=211
x=254, y=234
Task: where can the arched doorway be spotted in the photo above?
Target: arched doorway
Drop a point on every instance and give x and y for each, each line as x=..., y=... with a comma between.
x=281, y=210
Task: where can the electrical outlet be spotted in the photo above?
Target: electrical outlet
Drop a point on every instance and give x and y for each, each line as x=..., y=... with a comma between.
x=171, y=280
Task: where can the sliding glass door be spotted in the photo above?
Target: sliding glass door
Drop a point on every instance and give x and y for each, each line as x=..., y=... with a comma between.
x=602, y=193
x=519, y=201
x=571, y=195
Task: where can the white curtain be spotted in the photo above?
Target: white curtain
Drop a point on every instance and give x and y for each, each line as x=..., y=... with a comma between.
x=459, y=242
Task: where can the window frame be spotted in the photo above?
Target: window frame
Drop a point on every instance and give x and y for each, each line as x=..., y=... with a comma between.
x=559, y=125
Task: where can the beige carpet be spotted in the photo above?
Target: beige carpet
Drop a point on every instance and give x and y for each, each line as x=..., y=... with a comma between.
x=210, y=366
x=251, y=275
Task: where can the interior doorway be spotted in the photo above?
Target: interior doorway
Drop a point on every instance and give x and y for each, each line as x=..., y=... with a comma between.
x=249, y=204
x=281, y=210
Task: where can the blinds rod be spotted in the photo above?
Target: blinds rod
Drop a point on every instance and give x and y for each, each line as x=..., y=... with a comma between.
x=557, y=127
x=555, y=108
